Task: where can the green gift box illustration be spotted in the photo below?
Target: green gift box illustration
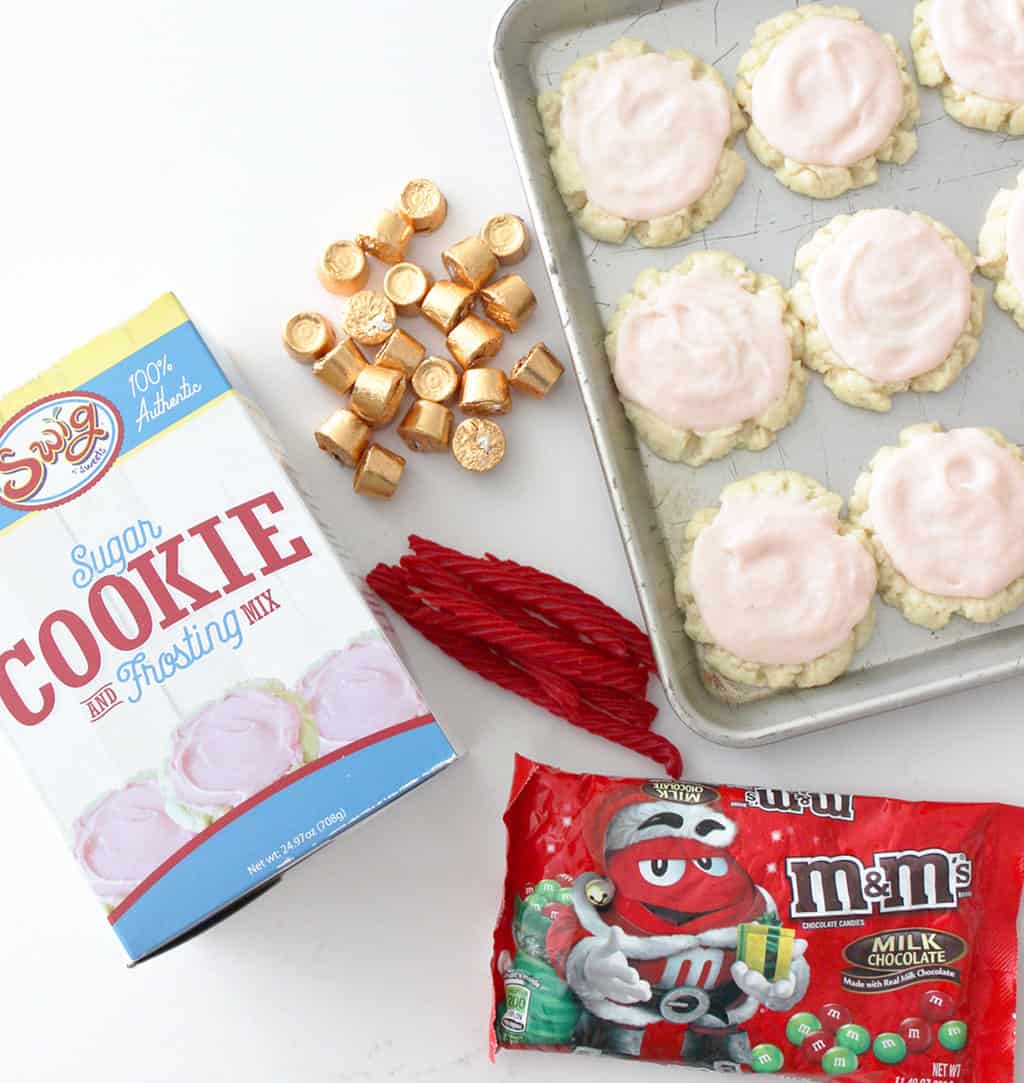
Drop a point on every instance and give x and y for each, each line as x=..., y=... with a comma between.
x=767, y=947
x=539, y=1008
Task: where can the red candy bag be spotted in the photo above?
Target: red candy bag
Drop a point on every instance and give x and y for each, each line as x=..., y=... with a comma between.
x=758, y=930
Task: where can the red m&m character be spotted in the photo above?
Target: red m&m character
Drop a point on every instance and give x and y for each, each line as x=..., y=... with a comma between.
x=834, y=1016
x=937, y=1006
x=917, y=1034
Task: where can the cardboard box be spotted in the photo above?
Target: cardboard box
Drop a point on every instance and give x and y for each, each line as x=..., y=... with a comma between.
x=200, y=691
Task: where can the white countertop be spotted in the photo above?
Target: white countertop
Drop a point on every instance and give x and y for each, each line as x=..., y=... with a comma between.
x=213, y=149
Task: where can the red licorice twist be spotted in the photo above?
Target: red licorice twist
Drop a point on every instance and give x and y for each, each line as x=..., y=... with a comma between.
x=533, y=635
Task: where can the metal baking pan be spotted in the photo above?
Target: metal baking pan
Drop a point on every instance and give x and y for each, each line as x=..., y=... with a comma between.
x=953, y=178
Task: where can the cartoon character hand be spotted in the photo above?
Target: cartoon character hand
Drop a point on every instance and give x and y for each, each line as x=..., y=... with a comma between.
x=776, y=996
x=609, y=974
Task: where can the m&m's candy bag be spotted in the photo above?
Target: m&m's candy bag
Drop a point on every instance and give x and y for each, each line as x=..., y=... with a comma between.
x=759, y=930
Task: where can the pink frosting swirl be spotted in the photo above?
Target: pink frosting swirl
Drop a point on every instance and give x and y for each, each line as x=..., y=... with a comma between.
x=775, y=581
x=647, y=135
x=357, y=691
x=233, y=748
x=948, y=510
x=122, y=838
x=891, y=296
x=981, y=45
x=830, y=93
x=702, y=353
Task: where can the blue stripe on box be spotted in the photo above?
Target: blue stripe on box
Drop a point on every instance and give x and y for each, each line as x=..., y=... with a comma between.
x=190, y=378
x=276, y=832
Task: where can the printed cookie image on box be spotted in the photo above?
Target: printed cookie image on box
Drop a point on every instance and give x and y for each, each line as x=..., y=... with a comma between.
x=706, y=358
x=124, y=836
x=233, y=748
x=358, y=690
x=642, y=143
x=828, y=99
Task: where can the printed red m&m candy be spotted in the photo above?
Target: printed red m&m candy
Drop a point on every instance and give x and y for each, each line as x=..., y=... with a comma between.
x=816, y=1045
x=834, y=1016
x=937, y=1006
x=917, y=1034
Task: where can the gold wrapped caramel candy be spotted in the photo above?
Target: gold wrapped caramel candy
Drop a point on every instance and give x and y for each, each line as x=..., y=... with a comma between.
x=427, y=426
x=485, y=391
x=401, y=352
x=370, y=318
x=422, y=205
x=507, y=237
x=405, y=286
x=308, y=336
x=377, y=394
x=473, y=340
x=340, y=367
x=387, y=238
x=447, y=303
x=436, y=380
x=343, y=435
x=343, y=268
x=378, y=473
x=470, y=262
x=536, y=373
x=508, y=301
x=478, y=444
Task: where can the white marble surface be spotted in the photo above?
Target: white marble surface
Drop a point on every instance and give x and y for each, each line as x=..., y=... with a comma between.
x=211, y=148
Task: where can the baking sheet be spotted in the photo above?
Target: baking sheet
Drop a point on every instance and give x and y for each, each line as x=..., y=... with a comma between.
x=953, y=177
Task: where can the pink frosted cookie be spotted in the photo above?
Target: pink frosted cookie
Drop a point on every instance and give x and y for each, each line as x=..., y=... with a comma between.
x=233, y=748
x=358, y=691
x=828, y=99
x=943, y=511
x=1001, y=249
x=642, y=142
x=776, y=588
x=974, y=51
x=121, y=838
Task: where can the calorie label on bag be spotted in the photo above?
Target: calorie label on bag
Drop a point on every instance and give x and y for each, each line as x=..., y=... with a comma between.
x=759, y=930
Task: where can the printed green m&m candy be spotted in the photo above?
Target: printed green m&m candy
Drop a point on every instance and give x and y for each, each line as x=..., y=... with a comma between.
x=766, y=1058
x=839, y=1061
x=549, y=888
x=890, y=1049
x=953, y=1035
x=800, y=1025
x=536, y=902
x=564, y=896
x=853, y=1037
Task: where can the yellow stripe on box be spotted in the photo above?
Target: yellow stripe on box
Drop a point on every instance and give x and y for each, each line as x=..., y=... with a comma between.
x=84, y=364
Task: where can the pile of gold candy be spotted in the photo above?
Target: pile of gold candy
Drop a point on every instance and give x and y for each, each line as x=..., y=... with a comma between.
x=376, y=388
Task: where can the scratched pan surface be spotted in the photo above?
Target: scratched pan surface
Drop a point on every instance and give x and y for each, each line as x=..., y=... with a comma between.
x=953, y=177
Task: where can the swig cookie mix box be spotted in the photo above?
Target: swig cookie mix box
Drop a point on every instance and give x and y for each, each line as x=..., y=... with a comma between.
x=202, y=694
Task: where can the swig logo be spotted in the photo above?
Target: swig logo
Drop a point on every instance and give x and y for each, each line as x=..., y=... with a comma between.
x=55, y=449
